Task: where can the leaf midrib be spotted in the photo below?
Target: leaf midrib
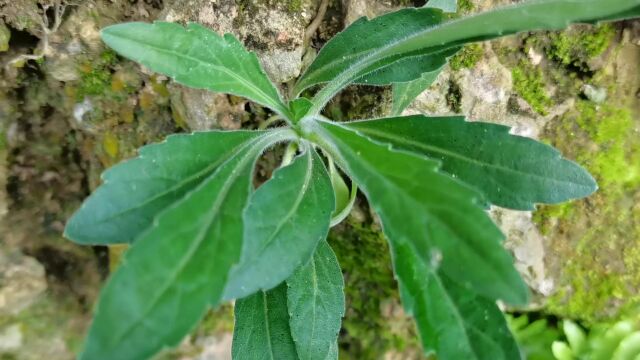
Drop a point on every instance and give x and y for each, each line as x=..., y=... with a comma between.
x=426, y=147
x=265, y=98
x=181, y=183
x=296, y=204
x=265, y=309
x=417, y=204
x=215, y=208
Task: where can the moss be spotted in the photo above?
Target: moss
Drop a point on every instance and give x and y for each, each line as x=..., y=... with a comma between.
x=95, y=76
x=467, y=58
x=597, y=237
x=575, y=47
x=529, y=83
x=465, y=6
x=5, y=36
x=292, y=6
x=370, y=292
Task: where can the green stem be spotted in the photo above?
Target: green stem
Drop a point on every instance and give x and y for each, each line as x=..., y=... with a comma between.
x=289, y=153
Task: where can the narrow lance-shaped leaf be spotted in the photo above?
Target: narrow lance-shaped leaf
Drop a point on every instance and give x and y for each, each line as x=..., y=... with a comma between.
x=134, y=192
x=316, y=305
x=405, y=93
x=371, y=45
x=365, y=37
x=453, y=322
x=196, y=57
x=439, y=216
x=178, y=267
x=512, y=171
x=286, y=219
x=261, y=330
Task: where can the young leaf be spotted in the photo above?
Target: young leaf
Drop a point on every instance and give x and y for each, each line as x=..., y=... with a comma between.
x=135, y=191
x=453, y=322
x=367, y=46
x=261, y=328
x=196, y=57
x=405, y=93
x=178, y=267
x=448, y=6
x=316, y=304
x=408, y=69
x=439, y=216
x=299, y=108
x=286, y=219
x=512, y=171
x=363, y=38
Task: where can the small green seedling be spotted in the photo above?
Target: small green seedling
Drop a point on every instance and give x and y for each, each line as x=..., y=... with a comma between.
x=200, y=234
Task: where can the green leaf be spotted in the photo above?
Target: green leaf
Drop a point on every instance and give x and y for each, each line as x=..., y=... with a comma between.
x=408, y=69
x=452, y=321
x=299, y=108
x=367, y=46
x=135, y=191
x=262, y=327
x=363, y=38
x=316, y=304
x=196, y=57
x=512, y=171
x=439, y=216
x=448, y=6
x=575, y=336
x=286, y=219
x=340, y=189
x=178, y=267
x=405, y=93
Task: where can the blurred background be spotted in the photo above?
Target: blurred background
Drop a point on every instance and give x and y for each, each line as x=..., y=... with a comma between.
x=70, y=108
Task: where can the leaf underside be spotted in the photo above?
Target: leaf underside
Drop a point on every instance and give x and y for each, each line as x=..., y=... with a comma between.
x=286, y=219
x=511, y=171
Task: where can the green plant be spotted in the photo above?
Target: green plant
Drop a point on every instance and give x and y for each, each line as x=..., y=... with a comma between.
x=535, y=338
x=201, y=234
x=619, y=341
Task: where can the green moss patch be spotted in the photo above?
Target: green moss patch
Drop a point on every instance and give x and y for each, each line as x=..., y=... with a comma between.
x=597, y=238
x=529, y=83
x=371, y=325
x=468, y=57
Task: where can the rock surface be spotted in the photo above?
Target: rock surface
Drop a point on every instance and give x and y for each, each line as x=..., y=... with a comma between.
x=80, y=109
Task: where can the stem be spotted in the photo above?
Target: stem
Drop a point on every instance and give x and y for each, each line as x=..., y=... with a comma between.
x=289, y=153
x=272, y=119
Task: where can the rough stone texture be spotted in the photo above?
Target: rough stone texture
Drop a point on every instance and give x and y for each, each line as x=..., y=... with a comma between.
x=273, y=29
x=81, y=109
x=355, y=9
x=22, y=280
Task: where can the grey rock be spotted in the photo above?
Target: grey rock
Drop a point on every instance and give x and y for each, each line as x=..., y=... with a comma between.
x=274, y=32
x=11, y=338
x=355, y=9
x=596, y=94
x=22, y=281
